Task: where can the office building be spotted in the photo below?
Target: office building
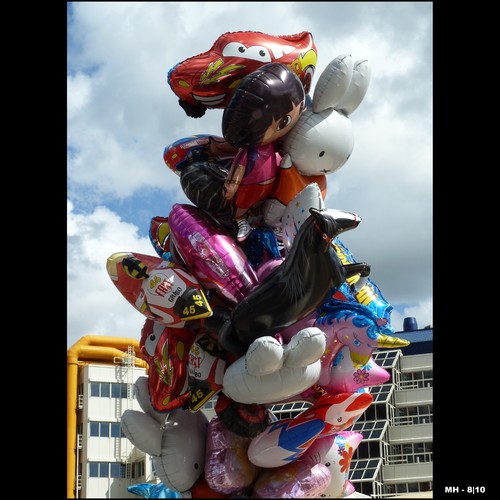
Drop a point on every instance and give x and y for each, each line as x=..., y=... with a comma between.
x=101, y=461
x=394, y=458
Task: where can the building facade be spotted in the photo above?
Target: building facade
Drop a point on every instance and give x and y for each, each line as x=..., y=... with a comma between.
x=102, y=462
x=394, y=458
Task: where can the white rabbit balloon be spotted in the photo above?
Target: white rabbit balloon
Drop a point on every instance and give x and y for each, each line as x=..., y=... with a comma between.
x=322, y=140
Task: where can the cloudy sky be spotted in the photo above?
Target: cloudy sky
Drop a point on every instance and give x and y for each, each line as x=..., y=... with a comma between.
x=121, y=113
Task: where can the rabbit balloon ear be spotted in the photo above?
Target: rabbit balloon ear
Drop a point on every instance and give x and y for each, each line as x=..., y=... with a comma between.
x=333, y=83
x=342, y=85
x=357, y=88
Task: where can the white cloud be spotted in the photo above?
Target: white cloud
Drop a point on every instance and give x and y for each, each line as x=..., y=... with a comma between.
x=422, y=312
x=78, y=89
x=122, y=114
x=95, y=306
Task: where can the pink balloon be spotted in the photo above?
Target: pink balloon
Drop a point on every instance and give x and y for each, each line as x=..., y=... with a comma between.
x=306, y=322
x=321, y=471
x=339, y=459
x=227, y=467
x=267, y=268
x=345, y=375
x=295, y=480
x=210, y=253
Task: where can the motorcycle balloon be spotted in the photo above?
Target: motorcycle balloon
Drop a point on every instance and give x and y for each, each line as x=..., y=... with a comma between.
x=159, y=289
x=166, y=350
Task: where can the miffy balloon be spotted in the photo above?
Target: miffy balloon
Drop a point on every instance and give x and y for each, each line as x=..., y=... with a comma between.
x=322, y=140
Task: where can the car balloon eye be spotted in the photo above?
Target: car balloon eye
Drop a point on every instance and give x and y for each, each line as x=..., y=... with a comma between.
x=255, y=52
x=151, y=343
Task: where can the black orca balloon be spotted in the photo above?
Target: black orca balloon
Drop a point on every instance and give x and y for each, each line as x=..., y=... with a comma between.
x=296, y=287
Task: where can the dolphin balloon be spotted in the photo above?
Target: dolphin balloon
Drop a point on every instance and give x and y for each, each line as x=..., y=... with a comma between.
x=288, y=439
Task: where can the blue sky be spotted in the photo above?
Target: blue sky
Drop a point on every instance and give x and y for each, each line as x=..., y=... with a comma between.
x=122, y=113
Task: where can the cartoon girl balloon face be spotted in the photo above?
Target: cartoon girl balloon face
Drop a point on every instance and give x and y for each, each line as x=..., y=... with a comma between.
x=265, y=106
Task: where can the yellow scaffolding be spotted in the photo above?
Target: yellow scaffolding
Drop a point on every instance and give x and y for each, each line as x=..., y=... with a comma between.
x=89, y=349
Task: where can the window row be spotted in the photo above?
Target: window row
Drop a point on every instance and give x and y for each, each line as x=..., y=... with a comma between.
x=417, y=380
x=106, y=429
x=409, y=487
x=410, y=453
x=422, y=414
x=108, y=389
x=116, y=469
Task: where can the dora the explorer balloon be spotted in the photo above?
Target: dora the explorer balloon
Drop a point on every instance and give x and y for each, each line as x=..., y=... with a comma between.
x=264, y=107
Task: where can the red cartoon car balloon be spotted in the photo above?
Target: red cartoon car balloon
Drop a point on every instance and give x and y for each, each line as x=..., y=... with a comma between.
x=208, y=79
x=166, y=350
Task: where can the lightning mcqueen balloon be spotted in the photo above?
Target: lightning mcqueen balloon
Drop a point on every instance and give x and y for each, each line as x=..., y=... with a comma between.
x=208, y=79
x=166, y=350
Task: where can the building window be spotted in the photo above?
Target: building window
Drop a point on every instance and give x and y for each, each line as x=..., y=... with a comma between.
x=417, y=380
x=103, y=469
x=116, y=430
x=118, y=390
x=364, y=470
x=382, y=393
x=413, y=487
x=371, y=430
x=106, y=429
x=412, y=415
x=138, y=469
x=108, y=389
x=93, y=469
x=289, y=410
x=410, y=453
x=94, y=429
x=106, y=469
x=117, y=470
x=95, y=389
x=105, y=390
x=386, y=359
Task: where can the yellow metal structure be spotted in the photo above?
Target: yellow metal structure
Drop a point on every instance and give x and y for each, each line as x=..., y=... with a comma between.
x=89, y=349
